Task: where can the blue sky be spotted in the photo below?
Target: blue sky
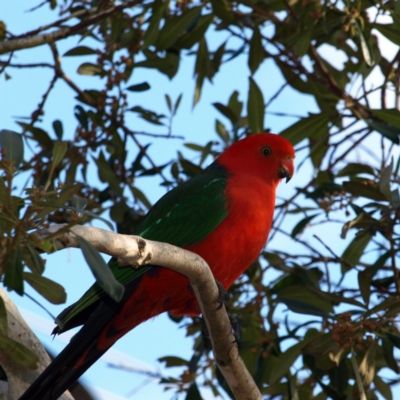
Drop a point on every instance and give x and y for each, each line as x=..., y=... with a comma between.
x=19, y=96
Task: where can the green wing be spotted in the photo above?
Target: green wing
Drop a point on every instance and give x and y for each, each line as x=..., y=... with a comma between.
x=182, y=217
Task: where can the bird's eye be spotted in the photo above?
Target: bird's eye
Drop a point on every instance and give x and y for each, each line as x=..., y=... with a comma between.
x=266, y=151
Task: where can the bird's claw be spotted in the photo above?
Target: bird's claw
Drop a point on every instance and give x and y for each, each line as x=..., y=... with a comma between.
x=222, y=295
x=235, y=327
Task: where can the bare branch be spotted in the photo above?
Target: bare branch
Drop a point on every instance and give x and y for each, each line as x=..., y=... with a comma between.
x=19, y=378
x=62, y=33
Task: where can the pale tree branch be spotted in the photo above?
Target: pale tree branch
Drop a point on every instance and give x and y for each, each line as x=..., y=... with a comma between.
x=137, y=252
x=18, y=377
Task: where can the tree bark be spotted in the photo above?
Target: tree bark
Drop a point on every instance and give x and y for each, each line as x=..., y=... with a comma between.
x=18, y=377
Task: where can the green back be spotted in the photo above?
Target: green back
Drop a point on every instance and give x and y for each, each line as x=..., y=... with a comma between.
x=182, y=217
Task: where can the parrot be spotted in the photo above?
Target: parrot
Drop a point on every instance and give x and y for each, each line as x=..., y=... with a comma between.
x=224, y=215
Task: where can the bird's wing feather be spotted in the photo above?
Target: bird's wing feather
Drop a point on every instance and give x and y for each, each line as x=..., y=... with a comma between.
x=182, y=217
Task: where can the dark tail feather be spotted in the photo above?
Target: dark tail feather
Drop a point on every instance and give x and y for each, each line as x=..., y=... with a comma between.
x=60, y=374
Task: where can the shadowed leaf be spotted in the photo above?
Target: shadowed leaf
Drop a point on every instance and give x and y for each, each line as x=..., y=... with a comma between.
x=101, y=270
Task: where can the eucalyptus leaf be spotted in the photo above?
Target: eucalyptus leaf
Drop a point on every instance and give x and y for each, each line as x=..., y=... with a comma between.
x=255, y=108
x=50, y=290
x=101, y=270
x=256, y=55
x=139, y=87
x=80, y=51
x=89, y=69
x=12, y=145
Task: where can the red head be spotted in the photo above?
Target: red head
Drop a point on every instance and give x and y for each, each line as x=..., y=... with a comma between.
x=265, y=155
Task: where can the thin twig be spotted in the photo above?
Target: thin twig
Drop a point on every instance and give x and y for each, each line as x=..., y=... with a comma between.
x=62, y=33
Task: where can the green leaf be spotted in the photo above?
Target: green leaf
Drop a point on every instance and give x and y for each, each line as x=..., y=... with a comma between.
x=362, y=221
x=38, y=134
x=79, y=203
x=173, y=361
x=222, y=10
x=90, y=69
x=13, y=276
x=301, y=307
x=227, y=112
x=302, y=43
x=391, y=116
x=364, y=282
x=81, y=116
x=58, y=129
x=384, y=182
x=202, y=68
x=152, y=32
x=17, y=352
x=235, y=105
x=189, y=168
x=3, y=318
x=37, y=261
x=177, y=103
x=193, y=393
x=388, y=353
x=221, y=130
x=383, y=388
x=385, y=304
x=217, y=57
x=140, y=87
x=301, y=225
x=169, y=102
x=389, y=132
x=355, y=250
x=293, y=78
x=360, y=190
x=365, y=47
x=79, y=51
x=12, y=145
x=300, y=299
x=59, y=150
x=305, y=127
x=190, y=38
x=167, y=65
x=367, y=365
x=49, y=289
x=322, y=344
x=101, y=270
x=394, y=339
x=175, y=26
x=255, y=108
x=106, y=174
x=390, y=31
x=285, y=361
x=256, y=55
x=139, y=195
x=356, y=169
x=319, y=146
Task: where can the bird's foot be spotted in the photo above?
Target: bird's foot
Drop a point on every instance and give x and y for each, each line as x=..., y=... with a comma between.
x=235, y=327
x=222, y=294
